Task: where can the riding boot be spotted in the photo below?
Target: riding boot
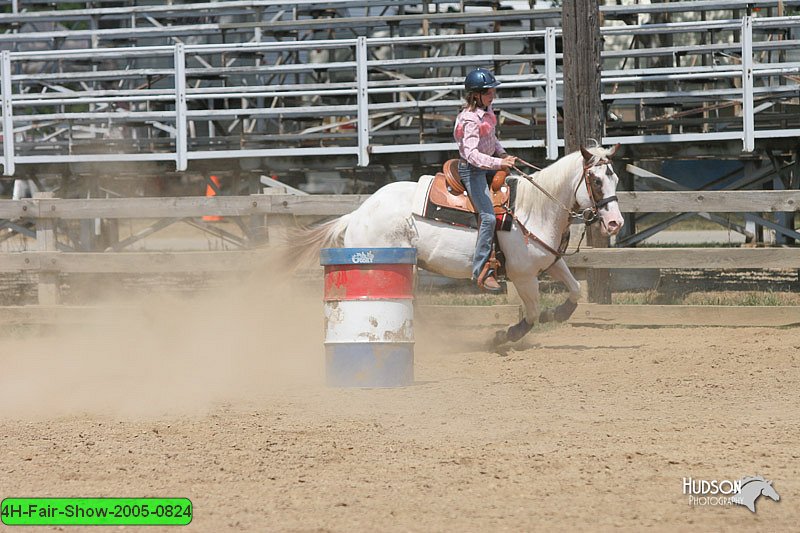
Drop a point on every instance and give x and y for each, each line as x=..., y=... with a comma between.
x=487, y=279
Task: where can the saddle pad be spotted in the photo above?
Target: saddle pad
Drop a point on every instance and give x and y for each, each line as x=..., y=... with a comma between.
x=424, y=205
x=420, y=198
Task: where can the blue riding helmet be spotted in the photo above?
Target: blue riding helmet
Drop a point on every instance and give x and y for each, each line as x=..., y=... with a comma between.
x=480, y=79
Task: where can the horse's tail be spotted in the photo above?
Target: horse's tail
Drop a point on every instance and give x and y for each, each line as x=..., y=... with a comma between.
x=304, y=244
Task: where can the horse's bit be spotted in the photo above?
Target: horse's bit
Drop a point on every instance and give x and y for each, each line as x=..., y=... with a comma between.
x=589, y=215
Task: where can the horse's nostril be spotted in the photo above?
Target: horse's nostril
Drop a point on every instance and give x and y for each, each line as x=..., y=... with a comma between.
x=613, y=227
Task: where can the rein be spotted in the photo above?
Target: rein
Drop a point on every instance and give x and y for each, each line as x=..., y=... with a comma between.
x=528, y=234
x=588, y=216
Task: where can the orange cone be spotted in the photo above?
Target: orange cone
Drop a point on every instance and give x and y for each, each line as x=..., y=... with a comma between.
x=211, y=191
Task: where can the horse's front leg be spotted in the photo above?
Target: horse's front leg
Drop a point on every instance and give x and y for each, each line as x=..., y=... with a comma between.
x=560, y=272
x=528, y=290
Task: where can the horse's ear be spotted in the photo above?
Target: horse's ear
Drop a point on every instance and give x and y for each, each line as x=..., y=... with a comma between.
x=587, y=155
x=613, y=150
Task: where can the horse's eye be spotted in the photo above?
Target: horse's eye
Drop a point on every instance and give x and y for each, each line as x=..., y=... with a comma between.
x=598, y=182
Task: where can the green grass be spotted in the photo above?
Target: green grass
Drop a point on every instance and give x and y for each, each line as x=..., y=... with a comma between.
x=744, y=298
x=740, y=298
x=650, y=297
x=468, y=297
x=456, y=297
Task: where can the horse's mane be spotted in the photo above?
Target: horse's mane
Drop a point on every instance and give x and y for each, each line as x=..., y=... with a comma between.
x=553, y=176
x=749, y=479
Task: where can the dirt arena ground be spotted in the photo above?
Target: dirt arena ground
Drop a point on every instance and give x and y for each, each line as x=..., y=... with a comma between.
x=222, y=400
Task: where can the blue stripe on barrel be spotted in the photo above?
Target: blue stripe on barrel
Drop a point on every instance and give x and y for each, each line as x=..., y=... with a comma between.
x=368, y=256
x=369, y=333
x=374, y=364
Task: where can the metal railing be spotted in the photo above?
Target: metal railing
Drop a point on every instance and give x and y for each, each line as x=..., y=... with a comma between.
x=150, y=103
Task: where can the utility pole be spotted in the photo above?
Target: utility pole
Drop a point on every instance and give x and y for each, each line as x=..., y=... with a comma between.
x=583, y=110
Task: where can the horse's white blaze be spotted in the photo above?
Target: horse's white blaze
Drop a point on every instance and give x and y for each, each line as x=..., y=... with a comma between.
x=611, y=220
x=610, y=216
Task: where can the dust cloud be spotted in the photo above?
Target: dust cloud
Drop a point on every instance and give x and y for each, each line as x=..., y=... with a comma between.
x=168, y=354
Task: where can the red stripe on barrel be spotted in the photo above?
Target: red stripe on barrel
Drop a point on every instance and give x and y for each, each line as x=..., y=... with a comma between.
x=366, y=282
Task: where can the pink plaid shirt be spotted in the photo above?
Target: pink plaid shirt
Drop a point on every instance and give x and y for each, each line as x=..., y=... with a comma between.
x=477, y=142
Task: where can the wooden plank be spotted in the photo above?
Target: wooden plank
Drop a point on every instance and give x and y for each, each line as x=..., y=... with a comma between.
x=686, y=258
x=154, y=262
x=180, y=207
x=468, y=316
x=708, y=201
x=19, y=261
x=318, y=204
x=11, y=209
x=135, y=262
x=339, y=204
x=685, y=315
x=233, y=261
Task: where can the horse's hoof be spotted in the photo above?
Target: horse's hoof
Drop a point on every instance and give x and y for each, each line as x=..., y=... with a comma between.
x=564, y=311
x=517, y=331
x=500, y=338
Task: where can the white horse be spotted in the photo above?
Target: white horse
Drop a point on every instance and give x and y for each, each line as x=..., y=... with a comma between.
x=581, y=184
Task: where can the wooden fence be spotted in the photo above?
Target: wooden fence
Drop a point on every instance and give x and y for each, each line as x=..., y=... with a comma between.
x=49, y=262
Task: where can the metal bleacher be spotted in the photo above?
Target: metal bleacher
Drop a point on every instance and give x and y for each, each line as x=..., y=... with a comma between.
x=320, y=84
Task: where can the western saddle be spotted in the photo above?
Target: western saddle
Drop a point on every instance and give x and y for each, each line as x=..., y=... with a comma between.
x=448, y=191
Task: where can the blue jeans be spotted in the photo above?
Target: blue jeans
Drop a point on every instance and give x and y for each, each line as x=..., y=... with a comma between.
x=474, y=180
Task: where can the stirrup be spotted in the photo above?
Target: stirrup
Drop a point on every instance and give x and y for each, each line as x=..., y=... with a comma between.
x=490, y=283
x=487, y=279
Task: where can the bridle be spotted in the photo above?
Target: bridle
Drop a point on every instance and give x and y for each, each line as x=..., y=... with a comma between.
x=588, y=215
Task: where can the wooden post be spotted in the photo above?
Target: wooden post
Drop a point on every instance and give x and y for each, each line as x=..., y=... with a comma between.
x=583, y=110
x=257, y=225
x=49, y=293
x=88, y=189
x=274, y=225
x=754, y=229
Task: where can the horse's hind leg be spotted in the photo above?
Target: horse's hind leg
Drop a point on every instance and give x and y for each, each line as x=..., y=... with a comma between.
x=529, y=293
x=560, y=272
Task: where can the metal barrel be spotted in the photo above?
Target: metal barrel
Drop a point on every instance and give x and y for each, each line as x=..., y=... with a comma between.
x=369, y=316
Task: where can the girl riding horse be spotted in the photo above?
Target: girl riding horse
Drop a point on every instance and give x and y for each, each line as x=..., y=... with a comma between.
x=481, y=155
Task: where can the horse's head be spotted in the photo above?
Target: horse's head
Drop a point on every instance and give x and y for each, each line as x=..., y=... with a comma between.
x=768, y=491
x=596, y=192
